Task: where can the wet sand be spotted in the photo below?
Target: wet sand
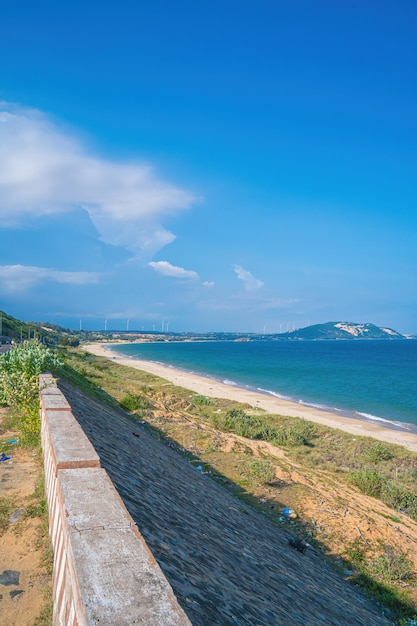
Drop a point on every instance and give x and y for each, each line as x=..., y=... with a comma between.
x=216, y=389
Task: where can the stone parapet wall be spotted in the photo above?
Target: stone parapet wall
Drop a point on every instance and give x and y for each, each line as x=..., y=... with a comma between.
x=104, y=573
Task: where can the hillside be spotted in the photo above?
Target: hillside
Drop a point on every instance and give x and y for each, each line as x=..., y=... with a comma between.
x=16, y=330
x=343, y=330
x=226, y=563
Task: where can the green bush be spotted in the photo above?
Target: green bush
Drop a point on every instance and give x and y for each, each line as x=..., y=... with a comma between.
x=399, y=498
x=202, y=400
x=133, y=402
x=19, y=379
x=378, y=452
x=262, y=471
x=368, y=481
x=299, y=434
x=392, y=566
x=228, y=422
x=253, y=427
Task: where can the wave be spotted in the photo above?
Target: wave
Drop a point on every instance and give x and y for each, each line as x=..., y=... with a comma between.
x=375, y=418
x=321, y=407
x=229, y=382
x=275, y=394
x=313, y=405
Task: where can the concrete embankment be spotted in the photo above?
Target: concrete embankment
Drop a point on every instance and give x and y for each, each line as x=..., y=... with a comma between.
x=226, y=564
x=104, y=572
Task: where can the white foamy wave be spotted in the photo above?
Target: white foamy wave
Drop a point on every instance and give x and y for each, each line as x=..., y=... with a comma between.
x=230, y=382
x=274, y=393
x=321, y=407
x=375, y=418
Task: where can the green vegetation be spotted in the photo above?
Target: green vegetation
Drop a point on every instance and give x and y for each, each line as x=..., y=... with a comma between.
x=19, y=390
x=19, y=381
x=368, y=481
x=6, y=508
x=383, y=577
x=378, y=452
x=238, y=421
x=135, y=402
x=16, y=330
x=260, y=470
x=202, y=400
x=390, y=491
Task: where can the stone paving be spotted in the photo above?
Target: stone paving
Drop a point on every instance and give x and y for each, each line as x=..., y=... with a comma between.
x=227, y=564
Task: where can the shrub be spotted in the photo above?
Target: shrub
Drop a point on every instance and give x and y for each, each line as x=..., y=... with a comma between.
x=19, y=386
x=228, y=422
x=262, y=471
x=202, y=400
x=368, y=481
x=399, y=498
x=392, y=566
x=239, y=422
x=299, y=434
x=133, y=402
x=378, y=452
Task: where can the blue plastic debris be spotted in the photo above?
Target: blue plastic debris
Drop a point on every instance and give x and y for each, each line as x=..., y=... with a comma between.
x=289, y=513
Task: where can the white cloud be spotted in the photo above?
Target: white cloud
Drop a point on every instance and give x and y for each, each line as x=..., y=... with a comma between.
x=19, y=278
x=251, y=283
x=208, y=283
x=46, y=170
x=166, y=269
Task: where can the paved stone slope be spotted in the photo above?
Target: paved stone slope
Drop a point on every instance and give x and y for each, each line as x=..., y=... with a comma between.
x=226, y=567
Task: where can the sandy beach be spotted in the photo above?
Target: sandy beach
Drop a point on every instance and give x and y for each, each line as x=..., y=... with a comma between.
x=216, y=389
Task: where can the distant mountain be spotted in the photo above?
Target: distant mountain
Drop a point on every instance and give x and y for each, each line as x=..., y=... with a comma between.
x=342, y=330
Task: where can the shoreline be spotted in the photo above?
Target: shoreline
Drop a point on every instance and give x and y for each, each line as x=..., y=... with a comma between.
x=216, y=389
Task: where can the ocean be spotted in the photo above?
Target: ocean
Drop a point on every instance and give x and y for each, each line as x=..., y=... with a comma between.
x=373, y=380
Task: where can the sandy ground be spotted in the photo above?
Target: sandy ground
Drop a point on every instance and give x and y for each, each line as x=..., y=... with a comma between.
x=215, y=389
x=21, y=600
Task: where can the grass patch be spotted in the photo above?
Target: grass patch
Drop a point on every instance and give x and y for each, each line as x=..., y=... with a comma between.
x=199, y=400
x=379, y=578
x=392, y=566
x=260, y=470
x=238, y=421
x=135, y=402
x=6, y=509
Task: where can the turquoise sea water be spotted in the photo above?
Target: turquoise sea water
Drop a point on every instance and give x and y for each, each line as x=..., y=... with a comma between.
x=375, y=380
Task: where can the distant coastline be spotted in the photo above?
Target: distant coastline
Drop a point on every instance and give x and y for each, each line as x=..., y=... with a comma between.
x=366, y=426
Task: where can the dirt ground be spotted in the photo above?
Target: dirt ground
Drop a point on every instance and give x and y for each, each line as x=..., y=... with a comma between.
x=330, y=514
x=25, y=584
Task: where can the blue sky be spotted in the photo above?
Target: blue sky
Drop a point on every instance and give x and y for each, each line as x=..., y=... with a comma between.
x=209, y=165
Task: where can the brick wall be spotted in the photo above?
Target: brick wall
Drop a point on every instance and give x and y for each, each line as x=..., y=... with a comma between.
x=103, y=573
